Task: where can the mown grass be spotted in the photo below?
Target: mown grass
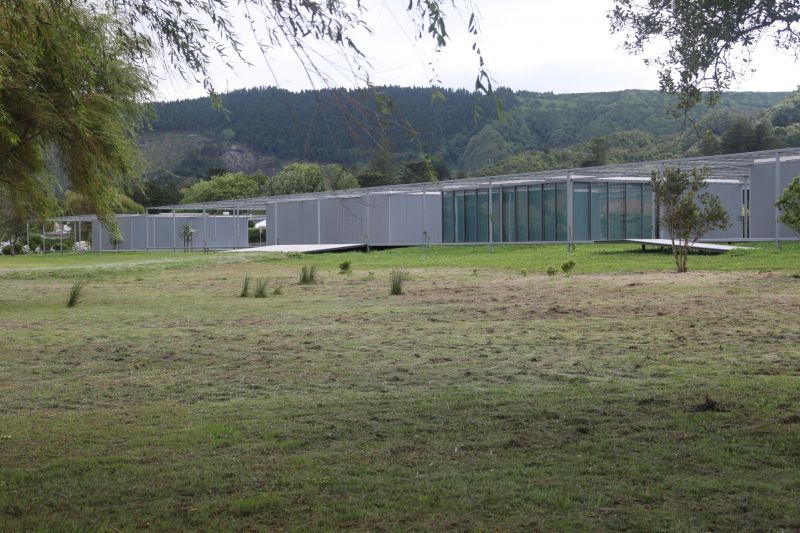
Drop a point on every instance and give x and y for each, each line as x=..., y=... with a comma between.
x=489, y=401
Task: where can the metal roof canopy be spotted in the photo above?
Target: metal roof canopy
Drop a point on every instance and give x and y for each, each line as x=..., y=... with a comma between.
x=735, y=167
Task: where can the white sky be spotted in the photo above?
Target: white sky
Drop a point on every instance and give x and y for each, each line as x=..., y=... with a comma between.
x=538, y=45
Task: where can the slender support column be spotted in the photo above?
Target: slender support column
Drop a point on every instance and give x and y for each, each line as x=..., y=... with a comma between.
x=61, y=238
x=319, y=222
x=44, y=248
x=570, y=214
x=28, y=235
x=147, y=229
x=100, y=245
x=80, y=233
x=276, y=224
x=775, y=199
x=205, y=232
x=389, y=217
x=174, y=232
x=491, y=217
x=424, y=227
x=368, y=225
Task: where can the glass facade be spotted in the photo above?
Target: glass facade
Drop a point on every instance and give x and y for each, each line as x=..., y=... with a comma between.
x=533, y=213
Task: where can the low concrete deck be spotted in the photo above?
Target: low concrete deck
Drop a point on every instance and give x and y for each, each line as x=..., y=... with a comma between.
x=301, y=248
x=703, y=246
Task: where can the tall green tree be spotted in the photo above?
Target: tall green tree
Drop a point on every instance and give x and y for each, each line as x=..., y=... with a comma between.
x=686, y=210
x=710, y=42
x=297, y=178
x=789, y=205
x=227, y=186
x=69, y=91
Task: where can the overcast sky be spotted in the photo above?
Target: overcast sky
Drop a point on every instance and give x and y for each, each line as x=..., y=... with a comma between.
x=563, y=46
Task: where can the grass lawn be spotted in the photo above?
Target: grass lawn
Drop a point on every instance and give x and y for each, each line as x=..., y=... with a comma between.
x=623, y=396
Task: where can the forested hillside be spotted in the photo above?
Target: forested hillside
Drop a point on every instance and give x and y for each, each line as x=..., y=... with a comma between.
x=386, y=134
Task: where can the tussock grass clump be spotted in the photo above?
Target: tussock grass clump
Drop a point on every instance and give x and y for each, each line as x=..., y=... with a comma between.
x=75, y=293
x=308, y=275
x=371, y=275
x=567, y=266
x=398, y=276
x=261, y=288
x=345, y=267
x=551, y=271
x=277, y=291
x=245, y=292
x=524, y=272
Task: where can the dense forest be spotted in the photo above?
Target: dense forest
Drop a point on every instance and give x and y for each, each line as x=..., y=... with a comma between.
x=398, y=134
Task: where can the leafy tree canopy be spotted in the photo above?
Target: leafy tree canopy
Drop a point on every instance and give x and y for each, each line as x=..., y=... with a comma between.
x=297, y=178
x=76, y=203
x=710, y=41
x=68, y=88
x=226, y=187
x=686, y=210
x=789, y=205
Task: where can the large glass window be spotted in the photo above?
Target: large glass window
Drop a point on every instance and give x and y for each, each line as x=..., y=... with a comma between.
x=497, y=215
x=647, y=211
x=616, y=211
x=561, y=211
x=580, y=211
x=470, y=216
x=633, y=211
x=459, y=216
x=483, y=215
x=522, y=213
x=447, y=217
x=549, y=212
x=535, y=213
x=508, y=214
x=599, y=211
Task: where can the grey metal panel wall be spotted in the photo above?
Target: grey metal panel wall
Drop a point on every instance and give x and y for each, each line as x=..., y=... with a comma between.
x=393, y=219
x=140, y=232
x=353, y=229
x=290, y=223
x=308, y=221
x=433, y=217
x=730, y=194
x=331, y=213
x=763, y=197
x=379, y=218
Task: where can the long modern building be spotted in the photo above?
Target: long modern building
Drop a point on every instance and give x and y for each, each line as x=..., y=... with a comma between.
x=605, y=203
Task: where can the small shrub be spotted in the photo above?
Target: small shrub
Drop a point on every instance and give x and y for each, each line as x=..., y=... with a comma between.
x=261, y=288
x=475, y=272
x=75, y=294
x=308, y=275
x=277, y=291
x=567, y=266
x=524, y=272
x=397, y=278
x=245, y=292
x=551, y=271
x=345, y=267
x=371, y=275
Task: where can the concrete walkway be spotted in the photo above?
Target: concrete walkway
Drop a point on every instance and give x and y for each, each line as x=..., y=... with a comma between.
x=301, y=248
